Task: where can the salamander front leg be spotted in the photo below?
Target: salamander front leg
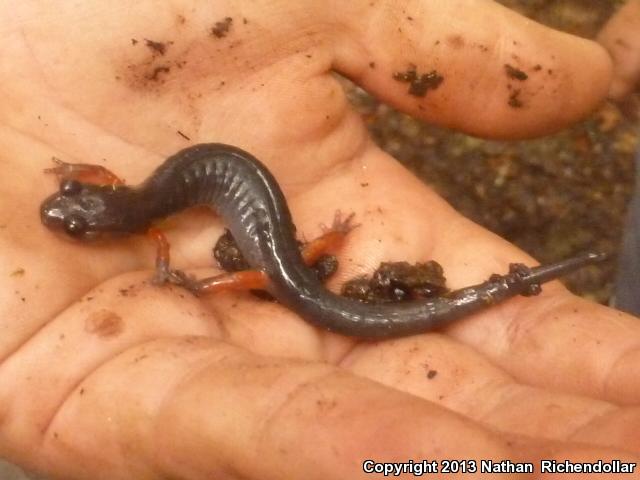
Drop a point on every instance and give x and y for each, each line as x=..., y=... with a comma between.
x=84, y=172
x=164, y=272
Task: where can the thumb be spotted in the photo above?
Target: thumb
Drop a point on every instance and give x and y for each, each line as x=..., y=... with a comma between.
x=472, y=65
x=621, y=37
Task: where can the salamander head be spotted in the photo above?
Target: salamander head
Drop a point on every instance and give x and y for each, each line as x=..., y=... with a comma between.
x=84, y=211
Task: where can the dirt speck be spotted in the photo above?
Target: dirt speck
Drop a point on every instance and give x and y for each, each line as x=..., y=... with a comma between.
x=129, y=291
x=158, y=72
x=221, y=28
x=326, y=405
x=515, y=73
x=514, y=99
x=139, y=358
x=419, y=84
x=18, y=272
x=156, y=47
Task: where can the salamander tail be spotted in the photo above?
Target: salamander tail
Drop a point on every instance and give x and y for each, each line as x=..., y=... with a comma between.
x=551, y=271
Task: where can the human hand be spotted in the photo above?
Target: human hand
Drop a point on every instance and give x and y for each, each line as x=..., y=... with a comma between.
x=106, y=376
x=621, y=37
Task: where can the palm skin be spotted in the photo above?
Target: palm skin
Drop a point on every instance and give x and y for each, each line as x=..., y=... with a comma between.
x=104, y=375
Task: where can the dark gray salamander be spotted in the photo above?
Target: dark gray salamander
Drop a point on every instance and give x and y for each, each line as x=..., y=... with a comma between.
x=249, y=199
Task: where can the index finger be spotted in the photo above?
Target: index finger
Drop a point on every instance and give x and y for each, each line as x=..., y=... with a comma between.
x=472, y=65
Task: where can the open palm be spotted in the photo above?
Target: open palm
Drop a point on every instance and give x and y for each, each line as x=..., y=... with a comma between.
x=103, y=375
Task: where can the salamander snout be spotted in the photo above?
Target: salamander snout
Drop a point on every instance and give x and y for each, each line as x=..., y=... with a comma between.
x=74, y=209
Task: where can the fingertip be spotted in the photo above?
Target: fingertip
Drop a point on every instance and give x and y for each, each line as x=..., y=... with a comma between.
x=543, y=82
x=572, y=83
x=501, y=75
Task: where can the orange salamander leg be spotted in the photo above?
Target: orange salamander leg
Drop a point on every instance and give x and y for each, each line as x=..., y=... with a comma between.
x=332, y=238
x=236, y=281
x=84, y=172
x=163, y=269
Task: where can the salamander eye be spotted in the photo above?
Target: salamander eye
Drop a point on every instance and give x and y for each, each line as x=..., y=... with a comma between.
x=70, y=187
x=75, y=226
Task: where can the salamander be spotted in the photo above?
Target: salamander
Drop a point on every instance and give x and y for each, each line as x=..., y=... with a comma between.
x=246, y=195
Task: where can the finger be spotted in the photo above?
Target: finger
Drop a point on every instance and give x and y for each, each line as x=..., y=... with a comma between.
x=502, y=74
x=565, y=343
x=116, y=315
x=458, y=377
x=321, y=406
x=196, y=408
x=119, y=314
x=621, y=37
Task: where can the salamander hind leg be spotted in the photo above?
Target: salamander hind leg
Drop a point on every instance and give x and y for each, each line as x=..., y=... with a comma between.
x=236, y=281
x=331, y=239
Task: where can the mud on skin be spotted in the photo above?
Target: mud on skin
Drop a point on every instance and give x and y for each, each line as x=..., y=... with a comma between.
x=398, y=282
